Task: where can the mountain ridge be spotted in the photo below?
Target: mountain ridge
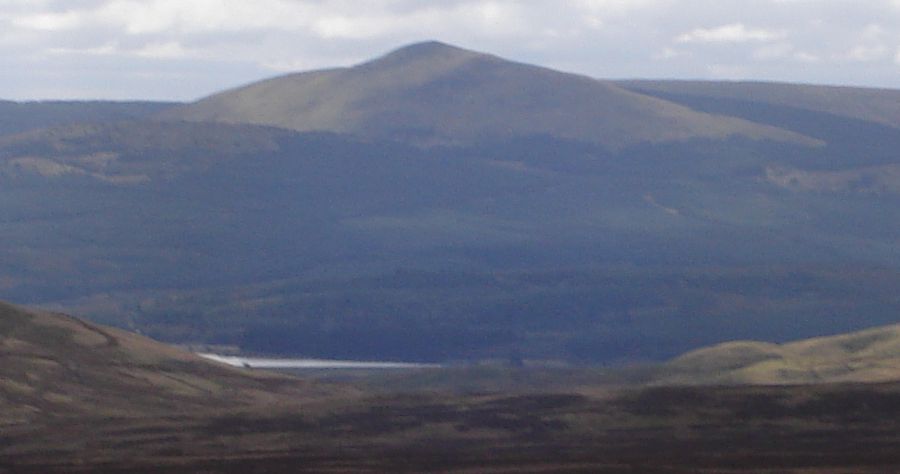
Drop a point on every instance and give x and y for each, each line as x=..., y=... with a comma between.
x=878, y=105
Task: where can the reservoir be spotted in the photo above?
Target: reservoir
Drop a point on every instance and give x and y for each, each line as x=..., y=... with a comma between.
x=289, y=364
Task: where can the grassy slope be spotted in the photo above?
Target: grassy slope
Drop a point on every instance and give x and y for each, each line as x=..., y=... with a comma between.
x=55, y=365
x=867, y=356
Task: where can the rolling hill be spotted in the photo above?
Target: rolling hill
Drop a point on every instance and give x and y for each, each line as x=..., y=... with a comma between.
x=55, y=365
x=871, y=355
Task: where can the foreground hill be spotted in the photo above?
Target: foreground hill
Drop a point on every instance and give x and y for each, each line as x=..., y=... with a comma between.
x=54, y=365
x=436, y=93
x=867, y=356
x=831, y=428
x=78, y=397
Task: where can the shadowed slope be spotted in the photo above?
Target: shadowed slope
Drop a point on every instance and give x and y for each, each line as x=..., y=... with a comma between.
x=435, y=93
x=54, y=365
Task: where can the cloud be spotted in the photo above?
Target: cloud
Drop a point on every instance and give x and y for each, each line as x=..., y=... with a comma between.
x=71, y=42
x=865, y=53
x=103, y=50
x=728, y=71
x=731, y=33
x=670, y=53
x=168, y=50
x=774, y=51
x=49, y=21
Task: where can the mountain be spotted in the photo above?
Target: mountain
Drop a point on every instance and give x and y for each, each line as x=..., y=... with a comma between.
x=436, y=93
x=871, y=355
x=55, y=365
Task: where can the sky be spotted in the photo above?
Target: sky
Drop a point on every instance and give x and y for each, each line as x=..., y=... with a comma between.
x=186, y=49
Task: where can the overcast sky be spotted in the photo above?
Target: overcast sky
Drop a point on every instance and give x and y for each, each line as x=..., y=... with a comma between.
x=185, y=49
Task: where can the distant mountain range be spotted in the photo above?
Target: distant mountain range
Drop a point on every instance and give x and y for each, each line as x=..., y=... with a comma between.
x=440, y=204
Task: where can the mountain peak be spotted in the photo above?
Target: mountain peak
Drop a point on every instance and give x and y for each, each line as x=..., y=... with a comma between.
x=428, y=48
x=424, y=51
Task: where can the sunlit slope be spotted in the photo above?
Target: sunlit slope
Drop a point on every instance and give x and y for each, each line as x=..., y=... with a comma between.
x=866, y=356
x=436, y=93
x=52, y=364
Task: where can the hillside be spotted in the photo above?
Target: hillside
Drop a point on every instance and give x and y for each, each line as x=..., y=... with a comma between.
x=56, y=365
x=867, y=356
x=436, y=93
x=331, y=246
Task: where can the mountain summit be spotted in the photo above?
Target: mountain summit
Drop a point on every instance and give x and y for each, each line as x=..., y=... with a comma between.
x=436, y=93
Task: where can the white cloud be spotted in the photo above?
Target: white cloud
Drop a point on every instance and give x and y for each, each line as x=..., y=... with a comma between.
x=865, y=53
x=773, y=51
x=806, y=57
x=49, y=21
x=731, y=33
x=873, y=32
x=156, y=16
x=670, y=53
x=169, y=50
x=619, y=6
x=102, y=50
x=729, y=72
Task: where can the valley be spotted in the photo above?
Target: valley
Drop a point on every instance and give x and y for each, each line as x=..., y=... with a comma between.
x=669, y=277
